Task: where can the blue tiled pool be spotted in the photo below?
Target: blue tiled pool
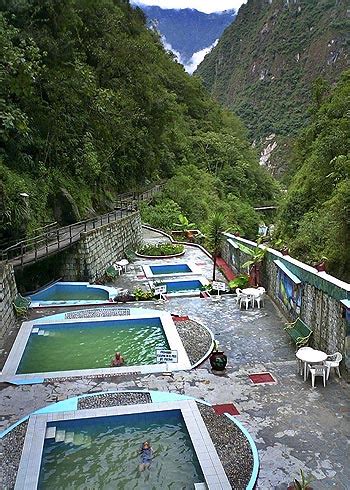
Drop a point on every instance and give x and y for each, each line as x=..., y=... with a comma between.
x=72, y=293
x=170, y=269
x=182, y=286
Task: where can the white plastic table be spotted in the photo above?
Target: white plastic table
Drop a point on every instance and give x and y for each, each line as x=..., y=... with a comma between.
x=251, y=292
x=308, y=355
x=123, y=263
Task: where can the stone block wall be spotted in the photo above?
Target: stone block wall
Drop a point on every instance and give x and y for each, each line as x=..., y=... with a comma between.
x=99, y=248
x=8, y=292
x=321, y=308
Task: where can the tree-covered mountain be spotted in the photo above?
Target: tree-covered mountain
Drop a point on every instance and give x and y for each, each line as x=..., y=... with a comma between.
x=188, y=30
x=265, y=64
x=314, y=219
x=92, y=105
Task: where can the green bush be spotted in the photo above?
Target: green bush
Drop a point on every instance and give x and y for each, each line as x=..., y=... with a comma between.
x=161, y=249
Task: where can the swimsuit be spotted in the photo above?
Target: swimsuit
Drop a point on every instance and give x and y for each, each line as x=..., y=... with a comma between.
x=146, y=455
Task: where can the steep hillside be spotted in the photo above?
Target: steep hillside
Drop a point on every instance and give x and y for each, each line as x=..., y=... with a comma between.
x=265, y=63
x=92, y=105
x=314, y=219
x=188, y=30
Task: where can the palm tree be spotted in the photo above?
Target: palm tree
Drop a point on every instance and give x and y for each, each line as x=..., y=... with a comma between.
x=216, y=228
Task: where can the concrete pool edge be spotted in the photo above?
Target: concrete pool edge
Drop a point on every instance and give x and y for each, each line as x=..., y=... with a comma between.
x=9, y=372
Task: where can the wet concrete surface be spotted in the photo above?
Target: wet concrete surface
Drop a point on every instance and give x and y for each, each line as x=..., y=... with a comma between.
x=294, y=426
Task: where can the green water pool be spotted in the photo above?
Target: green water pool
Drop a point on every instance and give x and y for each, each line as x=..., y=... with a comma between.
x=103, y=453
x=91, y=345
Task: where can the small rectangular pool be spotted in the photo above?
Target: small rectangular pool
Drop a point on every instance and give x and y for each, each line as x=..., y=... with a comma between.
x=103, y=453
x=182, y=287
x=171, y=269
x=87, y=345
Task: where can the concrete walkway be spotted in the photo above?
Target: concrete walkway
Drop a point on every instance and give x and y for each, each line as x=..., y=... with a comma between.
x=294, y=426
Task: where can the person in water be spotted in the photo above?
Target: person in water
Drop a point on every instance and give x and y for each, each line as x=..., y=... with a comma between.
x=118, y=360
x=146, y=453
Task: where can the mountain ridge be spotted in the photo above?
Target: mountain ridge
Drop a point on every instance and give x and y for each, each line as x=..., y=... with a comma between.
x=265, y=63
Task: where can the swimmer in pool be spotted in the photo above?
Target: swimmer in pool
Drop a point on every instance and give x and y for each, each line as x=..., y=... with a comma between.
x=118, y=360
x=146, y=453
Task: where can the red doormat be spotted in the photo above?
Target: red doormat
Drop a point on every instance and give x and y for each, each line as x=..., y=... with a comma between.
x=226, y=408
x=140, y=276
x=177, y=318
x=261, y=378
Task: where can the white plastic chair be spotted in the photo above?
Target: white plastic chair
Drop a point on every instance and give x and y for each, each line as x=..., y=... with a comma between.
x=243, y=298
x=317, y=370
x=259, y=298
x=333, y=361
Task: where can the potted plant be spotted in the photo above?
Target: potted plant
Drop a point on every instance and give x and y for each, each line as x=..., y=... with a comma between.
x=303, y=483
x=184, y=227
x=253, y=265
x=218, y=359
x=321, y=265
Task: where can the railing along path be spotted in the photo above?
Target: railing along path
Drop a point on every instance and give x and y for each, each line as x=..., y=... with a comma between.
x=55, y=239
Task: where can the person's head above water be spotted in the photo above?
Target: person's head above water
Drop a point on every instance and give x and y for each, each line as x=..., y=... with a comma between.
x=145, y=445
x=117, y=354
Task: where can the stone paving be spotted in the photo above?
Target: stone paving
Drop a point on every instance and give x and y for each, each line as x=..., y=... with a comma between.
x=294, y=426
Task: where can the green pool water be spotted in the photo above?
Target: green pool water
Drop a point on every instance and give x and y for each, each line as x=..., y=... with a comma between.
x=90, y=345
x=104, y=454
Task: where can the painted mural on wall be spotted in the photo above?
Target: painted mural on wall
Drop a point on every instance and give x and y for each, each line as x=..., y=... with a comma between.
x=289, y=293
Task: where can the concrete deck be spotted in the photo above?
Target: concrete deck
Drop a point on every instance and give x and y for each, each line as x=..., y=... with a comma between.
x=294, y=426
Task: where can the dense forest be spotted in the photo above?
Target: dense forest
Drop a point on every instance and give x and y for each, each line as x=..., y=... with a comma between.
x=93, y=105
x=265, y=64
x=314, y=220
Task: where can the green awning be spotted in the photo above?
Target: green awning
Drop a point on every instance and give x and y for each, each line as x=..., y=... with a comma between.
x=285, y=269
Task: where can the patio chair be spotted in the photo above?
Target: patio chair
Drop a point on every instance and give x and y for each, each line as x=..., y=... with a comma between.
x=260, y=298
x=243, y=298
x=317, y=370
x=333, y=361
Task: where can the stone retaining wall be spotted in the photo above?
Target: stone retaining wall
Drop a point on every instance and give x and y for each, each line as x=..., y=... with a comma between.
x=321, y=294
x=8, y=292
x=97, y=249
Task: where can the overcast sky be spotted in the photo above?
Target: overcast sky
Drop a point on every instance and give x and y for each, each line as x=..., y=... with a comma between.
x=206, y=6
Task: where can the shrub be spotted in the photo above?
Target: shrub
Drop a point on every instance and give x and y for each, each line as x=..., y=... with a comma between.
x=161, y=249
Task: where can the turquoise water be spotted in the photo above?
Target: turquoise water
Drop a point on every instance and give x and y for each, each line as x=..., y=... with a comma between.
x=182, y=286
x=170, y=269
x=66, y=292
x=92, y=345
x=104, y=454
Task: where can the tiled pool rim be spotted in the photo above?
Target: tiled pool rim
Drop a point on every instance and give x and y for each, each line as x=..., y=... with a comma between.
x=71, y=404
x=173, y=338
x=112, y=292
x=194, y=270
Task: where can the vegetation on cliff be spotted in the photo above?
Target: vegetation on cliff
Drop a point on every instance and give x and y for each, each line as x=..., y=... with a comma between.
x=93, y=105
x=314, y=219
x=265, y=63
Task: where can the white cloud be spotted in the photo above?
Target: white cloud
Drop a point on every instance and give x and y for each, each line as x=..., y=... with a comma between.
x=202, y=5
x=198, y=57
x=169, y=47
